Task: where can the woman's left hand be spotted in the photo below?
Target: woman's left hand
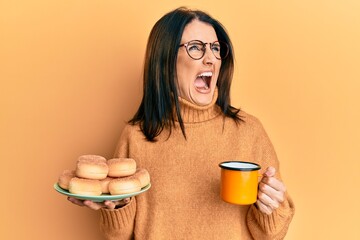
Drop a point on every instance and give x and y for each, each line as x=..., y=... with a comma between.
x=271, y=192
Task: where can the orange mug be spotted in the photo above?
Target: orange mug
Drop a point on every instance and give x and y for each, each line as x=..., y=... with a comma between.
x=239, y=182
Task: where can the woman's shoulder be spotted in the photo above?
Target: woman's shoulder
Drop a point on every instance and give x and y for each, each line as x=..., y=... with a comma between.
x=249, y=119
x=131, y=129
x=251, y=124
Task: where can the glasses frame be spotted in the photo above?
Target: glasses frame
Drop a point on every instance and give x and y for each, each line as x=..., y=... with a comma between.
x=204, y=47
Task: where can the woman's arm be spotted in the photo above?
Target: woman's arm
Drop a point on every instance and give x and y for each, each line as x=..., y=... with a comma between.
x=118, y=223
x=270, y=216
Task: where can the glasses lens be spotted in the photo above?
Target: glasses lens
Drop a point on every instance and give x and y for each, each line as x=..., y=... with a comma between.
x=195, y=49
x=220, y=49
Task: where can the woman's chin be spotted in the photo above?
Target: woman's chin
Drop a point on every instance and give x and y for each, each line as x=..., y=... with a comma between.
x=202, y=100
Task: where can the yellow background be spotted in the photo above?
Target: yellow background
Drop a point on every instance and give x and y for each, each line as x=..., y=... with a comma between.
x=70, y=77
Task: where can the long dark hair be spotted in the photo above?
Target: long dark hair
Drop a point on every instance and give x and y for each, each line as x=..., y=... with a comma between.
x=160, y=93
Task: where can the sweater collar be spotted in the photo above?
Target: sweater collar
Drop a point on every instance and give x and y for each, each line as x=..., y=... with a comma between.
x=192, y=113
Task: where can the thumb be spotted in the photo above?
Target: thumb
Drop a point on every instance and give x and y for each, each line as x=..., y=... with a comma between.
x=270, y=172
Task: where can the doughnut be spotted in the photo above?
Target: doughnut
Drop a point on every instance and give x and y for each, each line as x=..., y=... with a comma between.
x=65, y=178
x=92, y=157
x=88, y=187
x=91, y=169
x=124, y=185
x=121, y=167
x=105, y=184
x=143, y=175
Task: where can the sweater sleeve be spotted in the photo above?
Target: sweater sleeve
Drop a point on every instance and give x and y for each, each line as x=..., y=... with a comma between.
x=275, y=225
x=118, y=224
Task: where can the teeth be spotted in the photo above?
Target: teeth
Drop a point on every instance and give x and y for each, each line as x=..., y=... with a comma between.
x=205, y=74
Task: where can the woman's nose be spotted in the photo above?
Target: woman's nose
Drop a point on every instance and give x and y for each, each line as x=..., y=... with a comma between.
x=209, y=57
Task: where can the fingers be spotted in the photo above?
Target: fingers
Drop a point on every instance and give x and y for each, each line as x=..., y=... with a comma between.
x=266, y=204
x=76, y=201
x=93, y=205
x=122, y=202
x=96, y=206
x=110, y=205
x=269, y=179
x=271, y=192
x=277, y=194
x=270, y=172
x=273, y=183
x=269, y=196
x=116, y=204
x=263, y=207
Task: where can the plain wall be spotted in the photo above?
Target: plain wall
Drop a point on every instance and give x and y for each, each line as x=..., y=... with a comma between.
x=70, y=77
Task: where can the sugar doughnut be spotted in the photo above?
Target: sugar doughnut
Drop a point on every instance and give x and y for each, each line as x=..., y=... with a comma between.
x=92, y=157
x=121, y=167
x=65, y=178
x=88, y=187
x=91, y=168
x=105, y=184
x=143, y=175
x=124, y=185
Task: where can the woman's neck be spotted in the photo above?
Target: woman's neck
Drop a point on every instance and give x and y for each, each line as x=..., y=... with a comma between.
x=192, y=113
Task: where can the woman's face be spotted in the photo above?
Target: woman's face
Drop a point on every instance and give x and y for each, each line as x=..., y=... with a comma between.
x=197, y=78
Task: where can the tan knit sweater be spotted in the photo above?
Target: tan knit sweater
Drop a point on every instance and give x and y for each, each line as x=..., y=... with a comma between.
x=184, y=200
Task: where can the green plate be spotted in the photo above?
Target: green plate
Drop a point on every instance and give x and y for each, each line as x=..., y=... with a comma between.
x=102, y=197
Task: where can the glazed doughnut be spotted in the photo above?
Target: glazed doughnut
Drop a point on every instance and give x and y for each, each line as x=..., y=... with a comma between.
x=65, y=178
x=124, y=185
x=88, y=187
x=143, y=175
x=105, y=184
x=92, y=157
x=91, y=168
x=121, y=167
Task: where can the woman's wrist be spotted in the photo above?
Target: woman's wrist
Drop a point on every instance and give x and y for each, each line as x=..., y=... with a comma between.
x=123, y=203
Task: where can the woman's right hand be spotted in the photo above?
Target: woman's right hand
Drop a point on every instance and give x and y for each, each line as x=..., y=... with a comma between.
x=98, y=205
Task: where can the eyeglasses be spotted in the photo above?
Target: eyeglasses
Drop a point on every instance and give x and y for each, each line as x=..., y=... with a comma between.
x=196, y=49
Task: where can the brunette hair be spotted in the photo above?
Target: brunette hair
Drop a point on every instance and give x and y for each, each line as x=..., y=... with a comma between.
x=160, y=92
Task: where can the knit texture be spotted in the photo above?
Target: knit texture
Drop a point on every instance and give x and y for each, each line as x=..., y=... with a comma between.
x=184, y=200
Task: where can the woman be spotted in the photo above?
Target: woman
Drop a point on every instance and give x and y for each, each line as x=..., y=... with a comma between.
x=184, y=127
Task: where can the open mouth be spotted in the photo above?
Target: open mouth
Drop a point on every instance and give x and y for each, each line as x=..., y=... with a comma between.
x=203, y=81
